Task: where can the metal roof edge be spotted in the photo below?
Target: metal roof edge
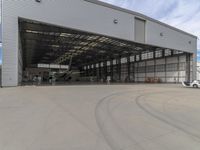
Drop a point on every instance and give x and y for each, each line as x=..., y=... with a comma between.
x=138, y=14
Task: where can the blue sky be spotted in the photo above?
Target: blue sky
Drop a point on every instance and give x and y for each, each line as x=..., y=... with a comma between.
x=198, y=55
x=182, y=14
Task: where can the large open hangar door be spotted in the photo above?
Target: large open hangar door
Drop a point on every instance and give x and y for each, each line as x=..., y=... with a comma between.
x=63, y=55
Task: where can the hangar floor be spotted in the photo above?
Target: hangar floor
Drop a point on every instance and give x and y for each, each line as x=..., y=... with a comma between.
x=103, y=117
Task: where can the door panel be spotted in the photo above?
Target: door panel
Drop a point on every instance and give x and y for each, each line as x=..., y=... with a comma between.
x=139, y=30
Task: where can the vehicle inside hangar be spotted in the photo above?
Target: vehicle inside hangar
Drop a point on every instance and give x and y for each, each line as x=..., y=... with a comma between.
x=58, y=55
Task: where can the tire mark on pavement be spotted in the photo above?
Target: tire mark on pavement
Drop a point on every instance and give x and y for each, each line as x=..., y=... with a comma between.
x=152, y=112
x=114, y=135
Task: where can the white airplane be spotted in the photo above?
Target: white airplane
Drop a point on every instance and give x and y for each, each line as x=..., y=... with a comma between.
x=194, y=84
x=64, y=75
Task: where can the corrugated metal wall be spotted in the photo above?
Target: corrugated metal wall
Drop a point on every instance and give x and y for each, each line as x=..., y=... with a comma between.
x=171, y=69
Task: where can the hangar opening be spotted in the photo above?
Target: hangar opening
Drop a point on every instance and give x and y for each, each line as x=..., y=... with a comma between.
x=57, y=55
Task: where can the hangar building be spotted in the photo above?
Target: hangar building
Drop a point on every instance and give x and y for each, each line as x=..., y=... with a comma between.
x=95, y=39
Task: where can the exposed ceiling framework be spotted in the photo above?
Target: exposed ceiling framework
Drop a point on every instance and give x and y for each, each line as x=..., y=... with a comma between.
x=42, y=43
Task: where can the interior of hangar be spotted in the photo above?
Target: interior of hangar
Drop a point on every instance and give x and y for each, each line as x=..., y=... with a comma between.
x=51, y=54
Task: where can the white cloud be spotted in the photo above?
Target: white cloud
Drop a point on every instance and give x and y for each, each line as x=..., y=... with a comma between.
x=186, y=17
x=182, y=14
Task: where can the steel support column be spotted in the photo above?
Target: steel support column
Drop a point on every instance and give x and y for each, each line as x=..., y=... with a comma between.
x=165, y=70
x=105, y=70
x=128, y=67
x=111, y=70
x=119, y=68
x=178, y=68
x=145, y=68
x=154, y=58
x=188, y=67
x=133, y=69
x=100, y=75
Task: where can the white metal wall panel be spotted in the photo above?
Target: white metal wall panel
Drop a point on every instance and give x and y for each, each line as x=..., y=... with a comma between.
x=170, y=80
x=141, y=75
x=181, y=79
x=182, y=58
x=172, y=74
x=141, y=64
x=10, y=50
x=182, y=73
x=160, y=74
x=150, y=63
x=160, y=61
x=157, y=34
x=171, y=60
x=150, y=75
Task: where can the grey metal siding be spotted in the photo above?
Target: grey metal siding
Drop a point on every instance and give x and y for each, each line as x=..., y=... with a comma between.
x=139, y=30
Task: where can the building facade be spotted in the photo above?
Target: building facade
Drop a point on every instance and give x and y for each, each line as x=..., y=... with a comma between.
x=161, y=51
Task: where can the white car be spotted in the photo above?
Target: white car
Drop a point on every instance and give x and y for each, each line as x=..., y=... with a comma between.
x=194, y=84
